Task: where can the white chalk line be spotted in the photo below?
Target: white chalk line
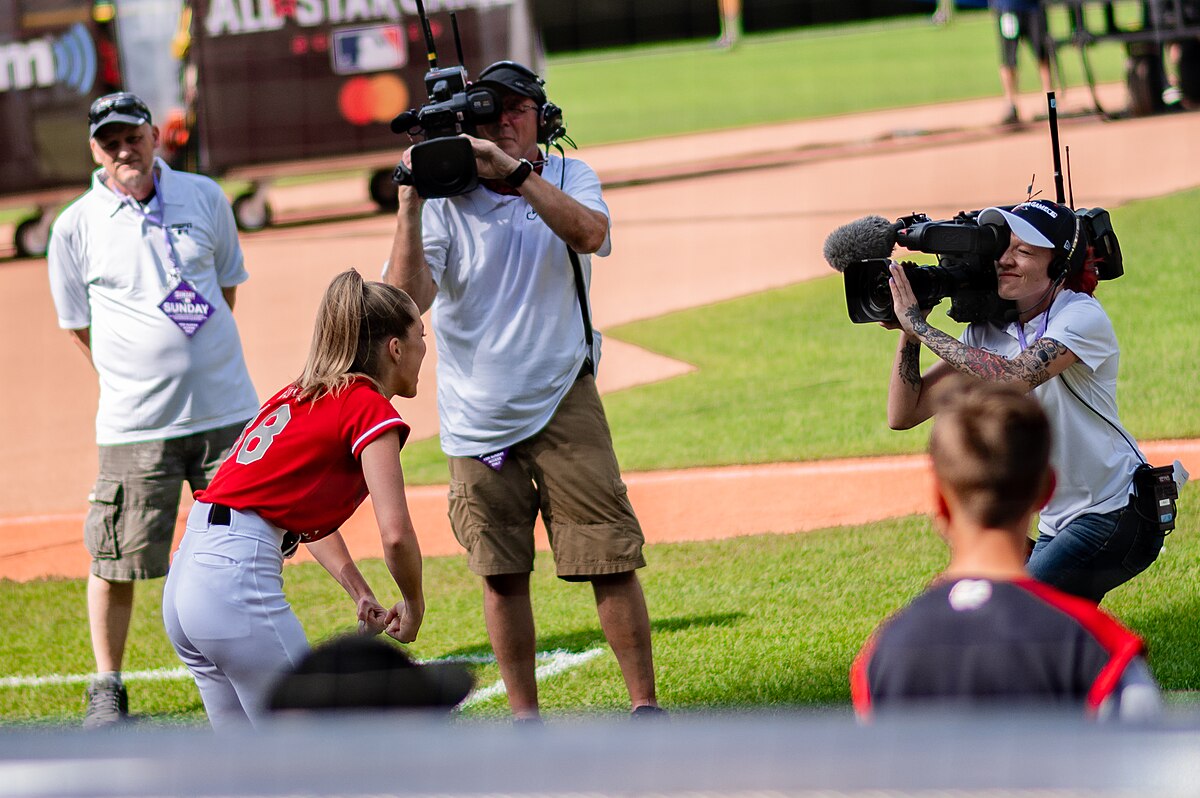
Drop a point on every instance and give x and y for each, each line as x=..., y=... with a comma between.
x=558, y=662
x=554, y=663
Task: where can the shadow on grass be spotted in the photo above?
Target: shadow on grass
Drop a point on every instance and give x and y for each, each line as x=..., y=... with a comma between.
x=589, y=638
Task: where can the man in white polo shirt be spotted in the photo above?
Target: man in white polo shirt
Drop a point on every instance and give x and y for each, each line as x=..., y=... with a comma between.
x=144, y=268
x=521, y=419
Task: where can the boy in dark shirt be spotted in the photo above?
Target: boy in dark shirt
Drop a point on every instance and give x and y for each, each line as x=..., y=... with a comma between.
x=985, y=634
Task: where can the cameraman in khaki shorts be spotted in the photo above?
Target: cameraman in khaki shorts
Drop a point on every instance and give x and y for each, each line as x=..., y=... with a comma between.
x=521, y=420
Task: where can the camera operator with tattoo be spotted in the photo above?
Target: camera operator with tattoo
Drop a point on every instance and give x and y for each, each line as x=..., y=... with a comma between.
x=1093, y=533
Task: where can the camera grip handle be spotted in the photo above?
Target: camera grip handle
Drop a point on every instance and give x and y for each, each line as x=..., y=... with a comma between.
x=402, y=176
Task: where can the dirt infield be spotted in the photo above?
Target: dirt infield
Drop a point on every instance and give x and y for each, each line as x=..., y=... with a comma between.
x=755, y=219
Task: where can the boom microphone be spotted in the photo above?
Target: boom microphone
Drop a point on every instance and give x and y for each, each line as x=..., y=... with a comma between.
x=863, y=239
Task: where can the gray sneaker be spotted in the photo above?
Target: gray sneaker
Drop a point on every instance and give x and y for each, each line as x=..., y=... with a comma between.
x=108, y=704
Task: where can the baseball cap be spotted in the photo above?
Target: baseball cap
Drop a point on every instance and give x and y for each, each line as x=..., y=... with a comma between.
x=120, y=107
x=514, y=77
x=1038, y=222
x=355, y=672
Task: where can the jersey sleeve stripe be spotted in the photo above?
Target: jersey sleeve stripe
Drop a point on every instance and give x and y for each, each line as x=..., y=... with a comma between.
x=377, y=430
x=1121, y=644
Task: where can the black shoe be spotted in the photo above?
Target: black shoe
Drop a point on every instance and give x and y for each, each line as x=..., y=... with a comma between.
x=1013, y=118
x=108, y=704
x=648, y=712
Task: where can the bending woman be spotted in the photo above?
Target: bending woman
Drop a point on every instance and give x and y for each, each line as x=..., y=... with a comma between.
x=299, y=470
x=1063, y=349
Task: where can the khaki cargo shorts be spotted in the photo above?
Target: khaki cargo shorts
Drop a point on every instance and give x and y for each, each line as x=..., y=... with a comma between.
x=135, y=501
x=568, y=472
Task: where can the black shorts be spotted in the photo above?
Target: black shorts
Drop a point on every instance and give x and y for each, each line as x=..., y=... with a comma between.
x=1028, y=25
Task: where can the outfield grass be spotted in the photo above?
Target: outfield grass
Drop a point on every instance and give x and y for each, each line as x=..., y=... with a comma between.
x=801, y=74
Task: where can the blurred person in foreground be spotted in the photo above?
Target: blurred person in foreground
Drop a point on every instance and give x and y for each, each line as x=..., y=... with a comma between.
x=521, y=420
x=985, y=634
x=357, y=673
x=144, y=270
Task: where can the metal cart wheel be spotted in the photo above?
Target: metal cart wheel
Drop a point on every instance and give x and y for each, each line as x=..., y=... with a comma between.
x=251, y=211
x=32, y=236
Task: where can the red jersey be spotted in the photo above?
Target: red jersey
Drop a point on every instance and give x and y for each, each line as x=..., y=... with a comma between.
x=296, y=463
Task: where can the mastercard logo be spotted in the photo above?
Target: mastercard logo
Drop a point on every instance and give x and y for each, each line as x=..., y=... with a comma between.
x=364, y=100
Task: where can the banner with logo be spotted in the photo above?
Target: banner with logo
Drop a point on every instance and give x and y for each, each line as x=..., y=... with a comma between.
x=288, y=80
x=54, y=59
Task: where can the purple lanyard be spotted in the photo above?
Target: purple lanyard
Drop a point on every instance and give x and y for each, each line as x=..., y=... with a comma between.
x=1041, y=331
x=159, y=220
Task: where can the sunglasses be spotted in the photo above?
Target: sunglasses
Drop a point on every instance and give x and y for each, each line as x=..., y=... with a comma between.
x=120, y=103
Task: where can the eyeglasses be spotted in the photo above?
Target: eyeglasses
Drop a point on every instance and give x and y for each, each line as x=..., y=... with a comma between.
x=516, y=109
x=119, y=103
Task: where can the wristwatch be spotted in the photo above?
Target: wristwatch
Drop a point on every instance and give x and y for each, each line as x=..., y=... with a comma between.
x=518, y=175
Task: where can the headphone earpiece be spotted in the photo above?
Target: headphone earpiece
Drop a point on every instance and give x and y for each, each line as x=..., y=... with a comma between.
x=550, y=123
x=1065, y=266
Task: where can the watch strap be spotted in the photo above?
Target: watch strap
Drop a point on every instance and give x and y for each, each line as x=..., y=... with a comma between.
x=518, y=176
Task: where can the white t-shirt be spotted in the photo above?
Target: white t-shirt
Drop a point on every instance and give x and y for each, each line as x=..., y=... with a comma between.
x=506, y=317
x=1093, y=458
x=109, y=270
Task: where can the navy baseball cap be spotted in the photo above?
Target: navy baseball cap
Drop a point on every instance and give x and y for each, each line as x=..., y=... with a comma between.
x=121, y=107
x=1038, y=222
x=514, y=77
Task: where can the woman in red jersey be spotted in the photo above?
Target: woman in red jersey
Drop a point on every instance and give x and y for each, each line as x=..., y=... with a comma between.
x=299, y=470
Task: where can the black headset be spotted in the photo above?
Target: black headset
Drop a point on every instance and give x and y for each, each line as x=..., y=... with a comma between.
x=550, y=117
x=1067, y=265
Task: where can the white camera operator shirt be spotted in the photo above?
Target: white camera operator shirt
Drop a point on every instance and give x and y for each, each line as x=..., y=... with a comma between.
x=506, y=317
x=1093, y=456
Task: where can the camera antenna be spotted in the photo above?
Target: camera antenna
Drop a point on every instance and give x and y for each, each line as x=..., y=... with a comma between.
x=1070, y=188
x=430, y=49
x=457, y=39
x=1060, y=193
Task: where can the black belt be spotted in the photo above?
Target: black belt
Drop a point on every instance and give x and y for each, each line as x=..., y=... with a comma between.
x=219, y=515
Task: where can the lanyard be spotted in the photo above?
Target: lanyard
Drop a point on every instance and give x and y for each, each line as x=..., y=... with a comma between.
x=158, y=219
x=1041, y=330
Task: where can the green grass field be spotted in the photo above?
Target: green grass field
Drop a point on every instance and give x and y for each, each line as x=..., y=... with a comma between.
x=803, y=74
x=765, y=621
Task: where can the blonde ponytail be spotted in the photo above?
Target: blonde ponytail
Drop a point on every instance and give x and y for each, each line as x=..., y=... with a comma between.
x=354, y=320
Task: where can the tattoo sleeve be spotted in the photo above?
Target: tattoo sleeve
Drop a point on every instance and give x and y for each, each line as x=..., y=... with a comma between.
x=910, y=365
x=1031, y=368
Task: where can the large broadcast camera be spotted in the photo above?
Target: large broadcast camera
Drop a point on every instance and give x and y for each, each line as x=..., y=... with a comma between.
x=966, y=269
x=443, y=164
x=967, y=252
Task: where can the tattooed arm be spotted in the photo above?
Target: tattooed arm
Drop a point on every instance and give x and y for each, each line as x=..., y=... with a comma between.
x=909, y=390
x=1043, y=360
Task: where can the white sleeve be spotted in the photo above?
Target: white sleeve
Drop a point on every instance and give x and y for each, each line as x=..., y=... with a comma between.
x=582, y=184
x=227, y=249
x=68, y=276
x=435, y=237
x=1084, y=328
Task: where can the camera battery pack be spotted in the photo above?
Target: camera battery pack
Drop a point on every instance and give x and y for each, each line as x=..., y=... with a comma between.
x=1156, y=493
